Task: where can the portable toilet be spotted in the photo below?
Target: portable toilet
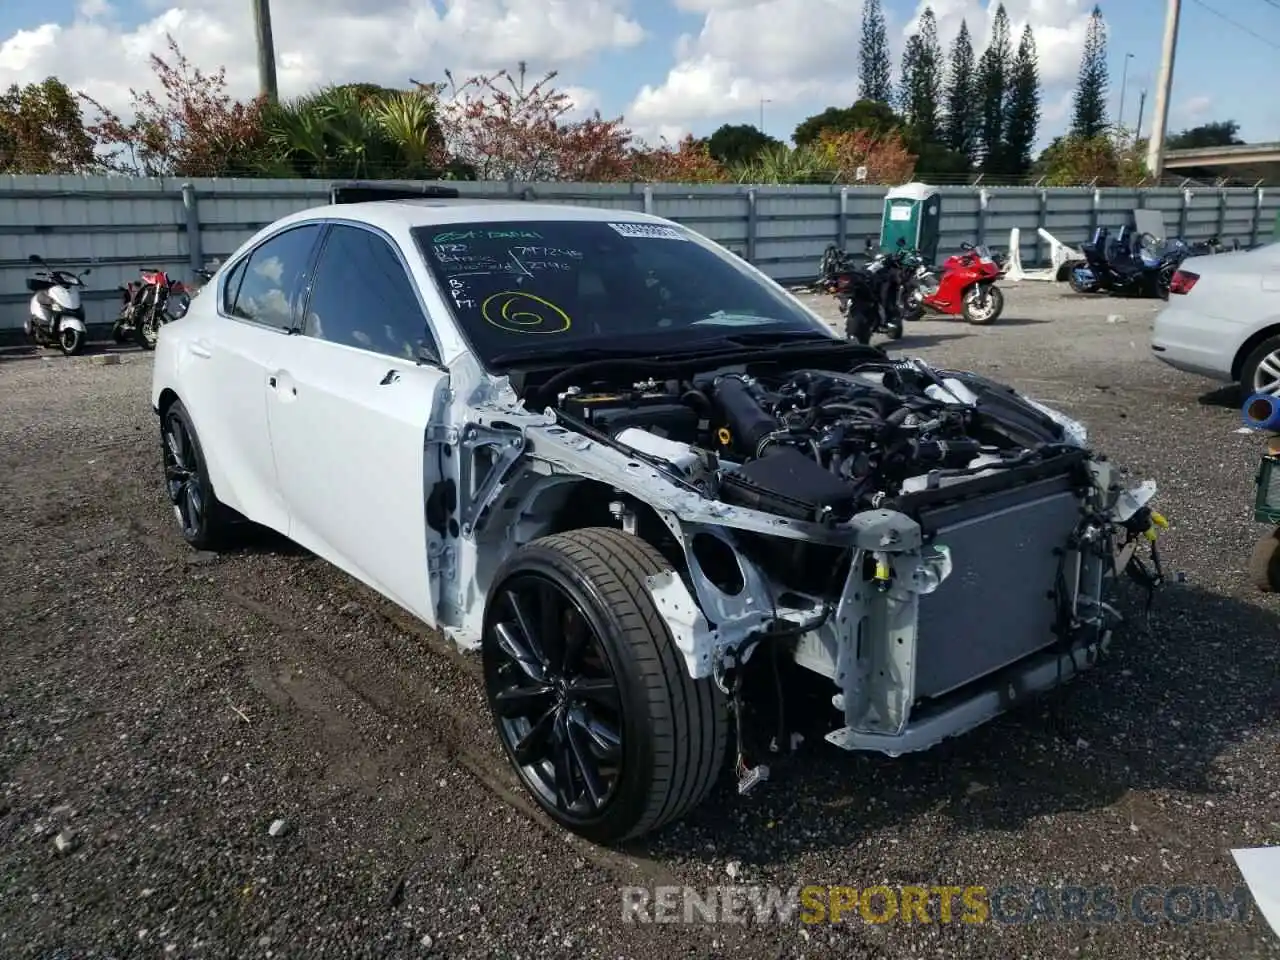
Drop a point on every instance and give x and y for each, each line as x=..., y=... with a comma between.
x=913, y=213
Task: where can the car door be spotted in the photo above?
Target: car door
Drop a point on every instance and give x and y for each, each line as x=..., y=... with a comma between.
x=349, y=405
x=229, y=367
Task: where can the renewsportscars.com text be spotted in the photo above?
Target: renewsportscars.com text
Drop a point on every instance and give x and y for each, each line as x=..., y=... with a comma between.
x=1005, y=904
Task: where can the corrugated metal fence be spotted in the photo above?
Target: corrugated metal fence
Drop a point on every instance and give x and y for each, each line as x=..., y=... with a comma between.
x=117, y=225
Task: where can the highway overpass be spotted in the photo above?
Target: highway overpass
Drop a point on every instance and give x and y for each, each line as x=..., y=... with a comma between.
x=1259, y=161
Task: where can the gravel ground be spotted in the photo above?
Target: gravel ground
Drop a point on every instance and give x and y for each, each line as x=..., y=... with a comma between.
x=163, y=709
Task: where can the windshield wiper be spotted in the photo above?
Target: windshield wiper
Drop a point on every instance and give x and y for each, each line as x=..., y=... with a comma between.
x=542, y=355
x=780, y=337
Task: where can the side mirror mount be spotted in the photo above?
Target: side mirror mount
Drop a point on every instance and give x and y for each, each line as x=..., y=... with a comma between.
x=428, y=355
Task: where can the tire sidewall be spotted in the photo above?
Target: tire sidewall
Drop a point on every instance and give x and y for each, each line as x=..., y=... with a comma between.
x=204, y=537
x=858, y=326
x=997, y=298
x=77, y=341
x=1270, y=345
x=631, y=795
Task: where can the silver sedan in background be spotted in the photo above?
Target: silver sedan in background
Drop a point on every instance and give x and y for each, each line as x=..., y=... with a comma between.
x=1223, y=319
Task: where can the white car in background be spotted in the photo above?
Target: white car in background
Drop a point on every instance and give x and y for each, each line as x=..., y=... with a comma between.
x=1223, y=319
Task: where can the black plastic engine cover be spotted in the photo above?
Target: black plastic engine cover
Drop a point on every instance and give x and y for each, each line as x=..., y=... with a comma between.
x=786, y=482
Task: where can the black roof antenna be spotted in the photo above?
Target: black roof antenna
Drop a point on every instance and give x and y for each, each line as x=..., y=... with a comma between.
x=362, y=191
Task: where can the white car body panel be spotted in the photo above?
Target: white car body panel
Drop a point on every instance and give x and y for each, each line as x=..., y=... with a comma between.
x=347, y=428
x=344, y=449
x=1235, y=302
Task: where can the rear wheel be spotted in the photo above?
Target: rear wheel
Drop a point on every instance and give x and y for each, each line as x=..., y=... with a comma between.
x=1080, y=285
x=203, y=520
x=1260, y=372
x=590, y=695
x=858, y=325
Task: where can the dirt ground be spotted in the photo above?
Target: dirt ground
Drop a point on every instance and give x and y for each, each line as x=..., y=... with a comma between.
x=161, y=709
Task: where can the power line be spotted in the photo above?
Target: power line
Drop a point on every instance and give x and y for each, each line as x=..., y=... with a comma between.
x=1239, y=26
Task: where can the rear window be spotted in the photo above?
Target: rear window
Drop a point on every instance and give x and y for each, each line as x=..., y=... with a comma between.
x=521, y=287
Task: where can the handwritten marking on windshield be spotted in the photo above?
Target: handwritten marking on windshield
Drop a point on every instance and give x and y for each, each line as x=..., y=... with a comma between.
x=518, y=312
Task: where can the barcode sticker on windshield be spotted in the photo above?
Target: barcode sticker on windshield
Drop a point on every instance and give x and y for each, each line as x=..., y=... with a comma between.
x=653, y=231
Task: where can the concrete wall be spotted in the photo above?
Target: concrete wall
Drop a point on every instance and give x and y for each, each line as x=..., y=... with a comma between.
x=117, y=225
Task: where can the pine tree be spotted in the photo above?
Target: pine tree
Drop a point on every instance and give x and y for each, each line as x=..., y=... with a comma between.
x=1022, y=109
x=922, y=78
x=960, y=127
x=875, y=78
x=991, y=81
x=1089, y=109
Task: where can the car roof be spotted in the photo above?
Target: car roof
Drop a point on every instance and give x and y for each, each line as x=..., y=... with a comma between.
x=400, y=214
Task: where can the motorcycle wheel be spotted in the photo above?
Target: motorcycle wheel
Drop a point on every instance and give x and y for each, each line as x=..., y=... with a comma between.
x=70, y=341
x=982, y=308
x=146, y=330
x=858, y=326
x=1074, y=282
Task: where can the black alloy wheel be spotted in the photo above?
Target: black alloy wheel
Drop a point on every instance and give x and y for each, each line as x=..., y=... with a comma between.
x=201, y=517
x=556, y=698
x=591, y=697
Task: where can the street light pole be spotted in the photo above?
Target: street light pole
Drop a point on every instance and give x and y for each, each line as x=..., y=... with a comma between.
x=1124, y=79
x=763, y=101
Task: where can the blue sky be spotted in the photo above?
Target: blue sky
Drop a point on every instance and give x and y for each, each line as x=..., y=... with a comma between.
x=1226, y=65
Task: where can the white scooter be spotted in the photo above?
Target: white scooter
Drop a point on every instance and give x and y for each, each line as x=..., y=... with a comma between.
x=56, y=313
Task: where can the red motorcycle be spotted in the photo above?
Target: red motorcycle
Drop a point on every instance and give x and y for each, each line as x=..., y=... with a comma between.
x=966, y=286
x=144, y=307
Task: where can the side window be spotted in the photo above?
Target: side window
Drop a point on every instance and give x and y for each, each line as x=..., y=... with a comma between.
x=232, y=287
x=363, y=297
x=272, y=278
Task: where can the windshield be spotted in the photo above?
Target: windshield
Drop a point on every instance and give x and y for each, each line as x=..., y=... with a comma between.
x=560, y=288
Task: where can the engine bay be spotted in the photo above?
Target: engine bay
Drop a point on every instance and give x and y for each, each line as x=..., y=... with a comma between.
x=821, y=445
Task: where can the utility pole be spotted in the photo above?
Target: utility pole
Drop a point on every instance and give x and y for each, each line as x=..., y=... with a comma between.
x=266, y=50
x=1164, y=87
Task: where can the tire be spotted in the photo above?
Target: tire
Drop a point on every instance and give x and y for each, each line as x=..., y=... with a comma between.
x=186, y=474
x=1264, y=563
x=858, y=326
x=146, y=328
x=672, y=730
x=70, y=341
x=1078, y=287
x=996, y=296
x=1250, y=381
x=119, y=336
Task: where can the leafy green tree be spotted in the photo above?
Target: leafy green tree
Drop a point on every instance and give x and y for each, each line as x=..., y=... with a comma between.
x=735, y=144
x=875, y=80
x=921, y=93
x=1022, y=108
x=992, y=81
x=42, y=130
x=874, y=116
x=960, y=129
x=1089, y=107
x=1223, y=133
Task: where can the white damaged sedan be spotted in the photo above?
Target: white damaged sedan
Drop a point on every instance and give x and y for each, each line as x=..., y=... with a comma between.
x=647, y=484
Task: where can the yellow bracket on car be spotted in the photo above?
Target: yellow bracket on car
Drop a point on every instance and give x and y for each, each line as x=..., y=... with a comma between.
x=1158, y=523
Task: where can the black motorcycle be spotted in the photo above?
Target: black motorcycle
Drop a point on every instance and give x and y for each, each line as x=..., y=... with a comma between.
x=1121, y=268
x=874, y=298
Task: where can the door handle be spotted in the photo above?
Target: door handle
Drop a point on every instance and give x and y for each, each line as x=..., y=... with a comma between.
x=198, y=348
x=271, y=382
x=391, y=377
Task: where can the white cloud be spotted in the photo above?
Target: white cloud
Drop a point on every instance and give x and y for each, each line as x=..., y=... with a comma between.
x=1195, y=108
x=803, y=54
x=321, y=41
